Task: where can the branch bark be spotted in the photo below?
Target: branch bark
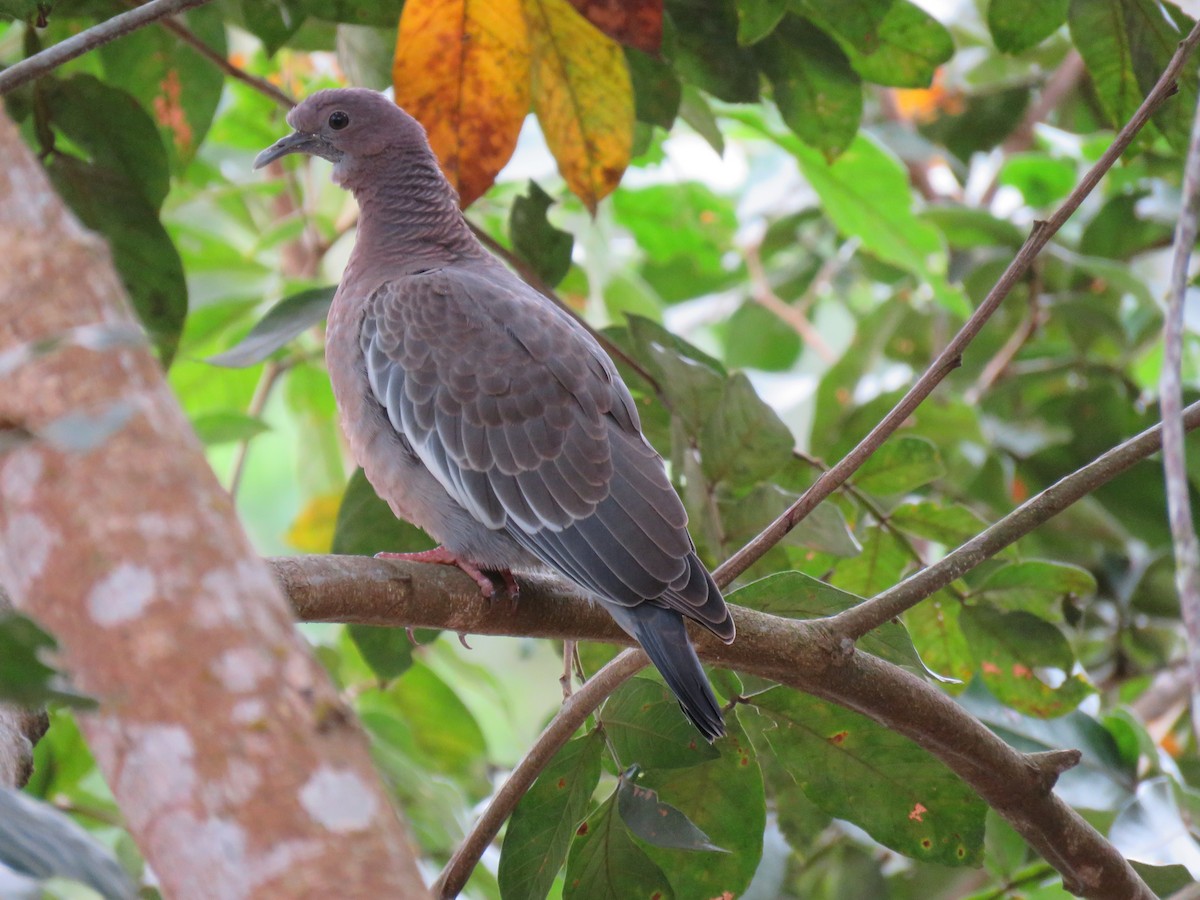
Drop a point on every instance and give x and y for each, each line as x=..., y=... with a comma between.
x=1179, y=506
x=807, y=655
x=237, y=768
x=97, y=36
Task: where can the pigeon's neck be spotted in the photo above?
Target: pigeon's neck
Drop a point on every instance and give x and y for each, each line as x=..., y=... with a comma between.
x=409, y=218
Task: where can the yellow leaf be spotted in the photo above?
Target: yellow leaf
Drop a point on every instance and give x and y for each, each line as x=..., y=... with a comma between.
x=312, y=532
x=582, y=96
x=462, y=70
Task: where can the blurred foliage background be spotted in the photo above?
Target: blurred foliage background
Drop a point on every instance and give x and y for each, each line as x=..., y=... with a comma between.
x=779, y=211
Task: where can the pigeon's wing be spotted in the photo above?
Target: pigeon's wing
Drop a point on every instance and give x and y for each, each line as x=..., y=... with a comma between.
x=523, y=419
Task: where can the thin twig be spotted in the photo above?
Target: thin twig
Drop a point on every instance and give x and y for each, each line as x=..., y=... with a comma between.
x=262, y=393
x=261, y=85
x=118, y=26
x=793, y=315
x=566, y=722
x=535, y=281
x=1179, y=507
x=951, y=357
x=854, y=623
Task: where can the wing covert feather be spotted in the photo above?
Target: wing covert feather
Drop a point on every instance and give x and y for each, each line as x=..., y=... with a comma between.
x=522, y=418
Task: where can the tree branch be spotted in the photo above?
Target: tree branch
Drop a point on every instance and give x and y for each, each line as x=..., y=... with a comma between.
x=566, y=722
x=1179, y=507
x=64, y=51
x=854, y=623
x=951, y=357
x=808, y=655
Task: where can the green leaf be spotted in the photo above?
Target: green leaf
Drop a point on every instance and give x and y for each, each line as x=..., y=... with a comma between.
x=23, y=10
x=795, y=595
x=1118, y=232
x=272, y=23
x=706, y=53
x=656, y=88
x=24, y=678
x=950, y=526
x=388, y=651
x=823, y=529
x=684, y=230
x=1017, y=25
x=965, y=227
x=546, y=818
x=1011, y=648
x=227, y=427
x=39, y=841
x=758, y=339
x=879, y=566
x=857, y=770
x=865, y=193
x=143, y=253
x=647, y=727
x=744, y=441
x=988, y=117
x=444, y=735
x=605, y=862
x=1041, y=179
x=366, y=525
x=546, y=248
x=695, y=111
x=757, y=19
x=287, y=319
x=818, y=94
x=899, y=466
x=113, y=130
x=656, y=822
x=890, y=42
x=1101, y=781
x=379, y=13
x=172, y=79
x=1155, y=30
x=692, y=381
x=933, y=626
x=725, y=799
x=1036, y=586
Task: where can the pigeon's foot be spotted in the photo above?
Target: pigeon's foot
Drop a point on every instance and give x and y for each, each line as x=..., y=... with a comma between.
x=442, y=557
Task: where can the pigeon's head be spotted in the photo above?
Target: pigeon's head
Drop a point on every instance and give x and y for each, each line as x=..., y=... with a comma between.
x=347, y=126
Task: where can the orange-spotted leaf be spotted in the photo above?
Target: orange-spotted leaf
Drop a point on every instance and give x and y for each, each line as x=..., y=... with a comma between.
x=634, y=23
x=583, y=97
x=855, y=769
x=462, y=70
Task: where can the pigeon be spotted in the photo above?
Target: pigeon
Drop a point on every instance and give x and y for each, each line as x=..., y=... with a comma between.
x=487, y=415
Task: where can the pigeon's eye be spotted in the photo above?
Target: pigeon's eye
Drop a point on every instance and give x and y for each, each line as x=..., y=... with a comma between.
x=338, y=120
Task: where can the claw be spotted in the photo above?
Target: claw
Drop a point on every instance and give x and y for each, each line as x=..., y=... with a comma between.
x=443, y=557
x=462, y=639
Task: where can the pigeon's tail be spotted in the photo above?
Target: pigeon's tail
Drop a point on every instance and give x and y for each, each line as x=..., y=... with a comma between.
x=662, y=634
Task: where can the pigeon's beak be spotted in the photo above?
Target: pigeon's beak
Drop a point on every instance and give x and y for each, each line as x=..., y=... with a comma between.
x=300, y=142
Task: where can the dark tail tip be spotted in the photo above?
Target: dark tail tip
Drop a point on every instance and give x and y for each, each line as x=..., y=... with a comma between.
x=662, y=634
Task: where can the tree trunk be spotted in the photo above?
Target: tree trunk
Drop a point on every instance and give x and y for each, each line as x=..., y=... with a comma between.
x=238, y=769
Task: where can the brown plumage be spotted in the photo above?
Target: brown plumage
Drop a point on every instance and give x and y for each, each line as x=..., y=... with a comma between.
x=484, y=413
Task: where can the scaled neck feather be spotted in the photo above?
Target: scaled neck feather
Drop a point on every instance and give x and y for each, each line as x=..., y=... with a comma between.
x=409, y=217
